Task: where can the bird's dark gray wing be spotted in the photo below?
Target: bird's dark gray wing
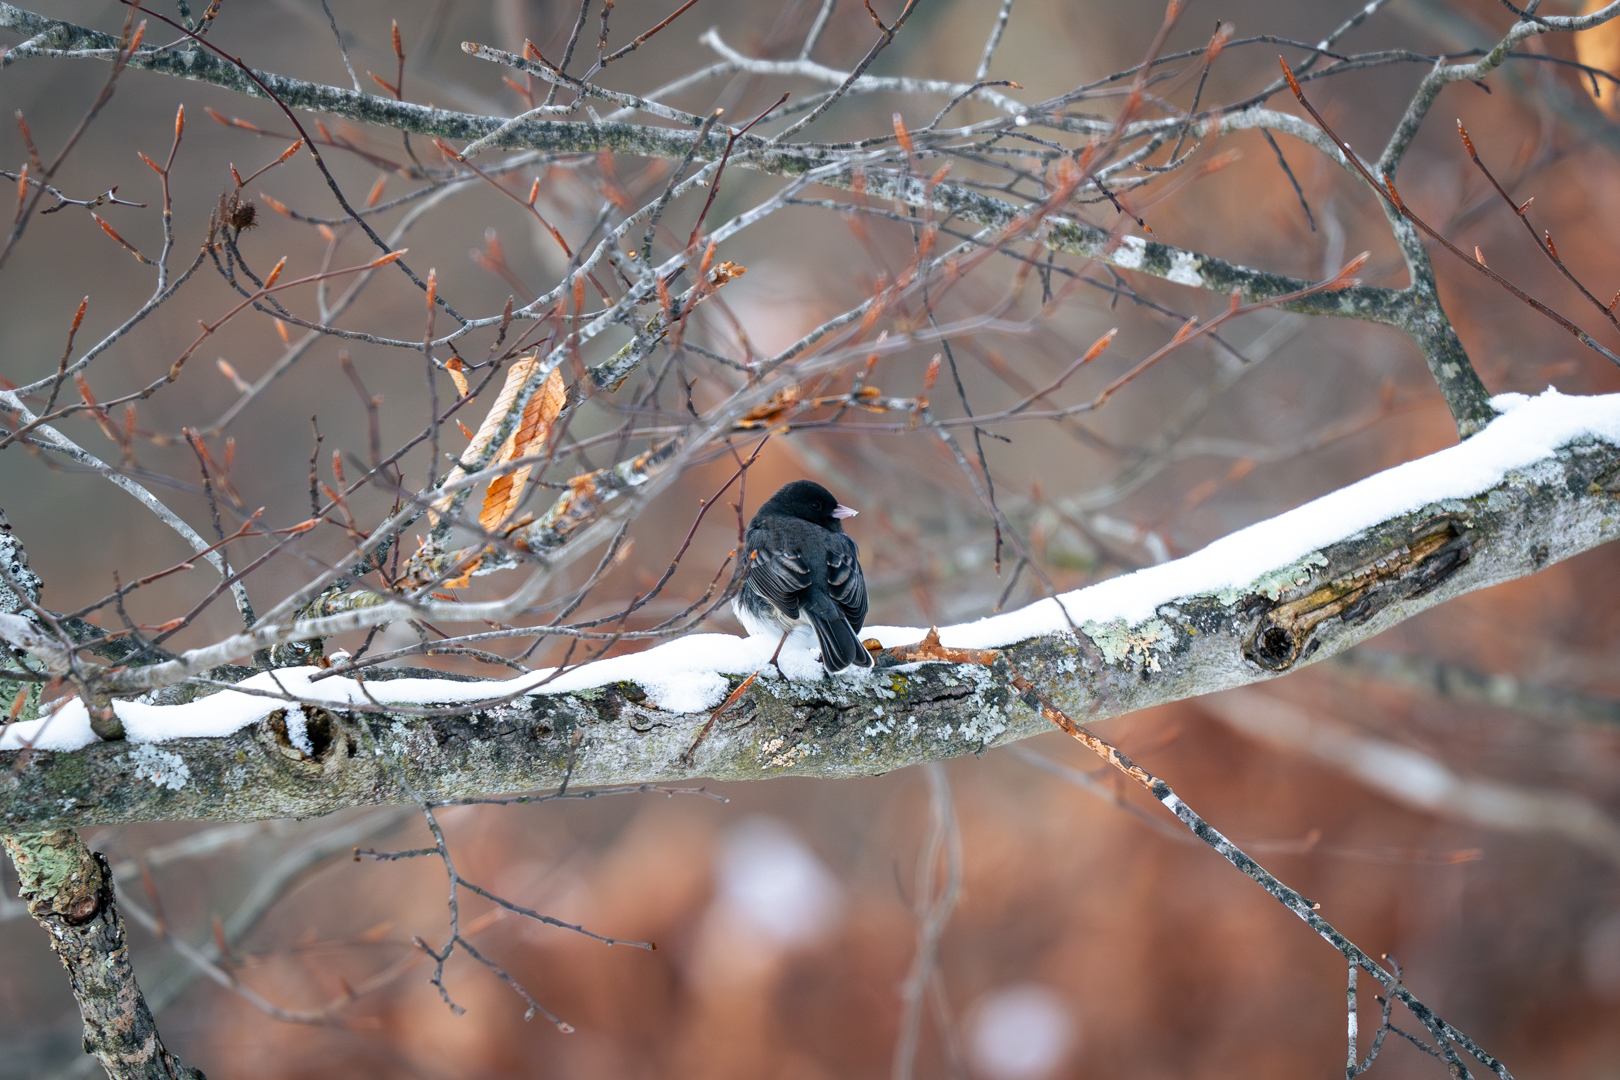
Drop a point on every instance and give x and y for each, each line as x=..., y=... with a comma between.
x=781, y=576
x=845, y=582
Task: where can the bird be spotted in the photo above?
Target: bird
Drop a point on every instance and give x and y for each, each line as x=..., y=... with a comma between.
x=804, y=570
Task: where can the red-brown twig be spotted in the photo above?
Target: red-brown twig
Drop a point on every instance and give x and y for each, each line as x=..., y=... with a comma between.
x=67, y=351
x=637, y=43
x=731, y=699
x=1386, y=191
x=1546, y=246
x=714, y=185
x=397, y=87
x=320, y=162
x=270, y=286
x=1341, y=280
x=127, y=45
x=285, y=155
x=246, y=530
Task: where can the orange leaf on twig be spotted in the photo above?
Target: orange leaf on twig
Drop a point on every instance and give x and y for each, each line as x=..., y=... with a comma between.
x=783, y=402
x=454, y=366
x=463, y=579
x=505, y=492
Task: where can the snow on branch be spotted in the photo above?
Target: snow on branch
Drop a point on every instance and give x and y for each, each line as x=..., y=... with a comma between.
x=1537, y=486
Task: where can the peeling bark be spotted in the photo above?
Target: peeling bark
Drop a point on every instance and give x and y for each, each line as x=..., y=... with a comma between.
x=1327, y=602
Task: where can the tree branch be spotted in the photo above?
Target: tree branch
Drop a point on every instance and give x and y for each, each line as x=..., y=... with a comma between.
x=69, y=892
x=1443, y=74
x=1334, y=598
x=1415, y=310
x=1415, y=779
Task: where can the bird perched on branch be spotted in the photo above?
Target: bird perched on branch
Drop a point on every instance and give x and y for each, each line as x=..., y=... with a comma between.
x=804, y=571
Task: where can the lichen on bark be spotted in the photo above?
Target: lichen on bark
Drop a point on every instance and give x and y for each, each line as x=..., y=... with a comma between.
x=1336, y=597
x=69, y=891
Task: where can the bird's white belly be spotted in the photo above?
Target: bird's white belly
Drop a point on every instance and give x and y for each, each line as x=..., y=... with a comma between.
x=759, y=625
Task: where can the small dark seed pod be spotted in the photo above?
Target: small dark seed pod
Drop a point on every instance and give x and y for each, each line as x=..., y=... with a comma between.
x=244, y=215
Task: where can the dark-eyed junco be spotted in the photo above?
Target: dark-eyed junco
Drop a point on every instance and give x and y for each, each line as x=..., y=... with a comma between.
x=803, y=570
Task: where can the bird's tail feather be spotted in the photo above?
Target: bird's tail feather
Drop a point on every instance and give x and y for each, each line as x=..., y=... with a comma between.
x=840, y=647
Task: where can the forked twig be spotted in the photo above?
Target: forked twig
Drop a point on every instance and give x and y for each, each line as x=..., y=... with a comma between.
x=1386, y=191
x=1545, y=243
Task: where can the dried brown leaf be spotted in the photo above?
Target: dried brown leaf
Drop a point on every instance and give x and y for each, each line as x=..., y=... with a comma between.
x=505, y=492
x=783, y=401
x=454, y=366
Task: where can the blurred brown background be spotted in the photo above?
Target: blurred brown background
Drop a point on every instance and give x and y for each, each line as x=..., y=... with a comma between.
x=1087, y=941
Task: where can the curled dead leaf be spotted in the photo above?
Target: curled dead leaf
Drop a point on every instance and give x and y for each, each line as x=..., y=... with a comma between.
x=576, y=508
x=725, y=272
x=783, y=401
x=455, y=367
x=505, y=492
x=461, y=580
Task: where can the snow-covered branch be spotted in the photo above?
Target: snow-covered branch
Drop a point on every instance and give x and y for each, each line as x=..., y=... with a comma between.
x=1539, y=485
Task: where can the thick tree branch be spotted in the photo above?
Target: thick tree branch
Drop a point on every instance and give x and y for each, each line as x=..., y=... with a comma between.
x=69, y=892
x=1341, y=594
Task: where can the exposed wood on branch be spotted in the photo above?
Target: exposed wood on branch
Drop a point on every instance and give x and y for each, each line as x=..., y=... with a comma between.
x=1339, y=596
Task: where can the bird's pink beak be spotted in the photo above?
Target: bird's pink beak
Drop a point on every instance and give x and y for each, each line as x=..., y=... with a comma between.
x=842, y=511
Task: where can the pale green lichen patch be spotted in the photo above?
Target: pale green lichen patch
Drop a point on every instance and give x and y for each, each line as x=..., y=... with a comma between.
x=55, y=871
x=1122, y=643
x=159, y=766
x=29, y=692
x=777, y=753
x=1274, y=583
x=983, y=726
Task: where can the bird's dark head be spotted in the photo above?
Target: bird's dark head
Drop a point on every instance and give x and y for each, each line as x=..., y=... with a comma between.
x=808, y=501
